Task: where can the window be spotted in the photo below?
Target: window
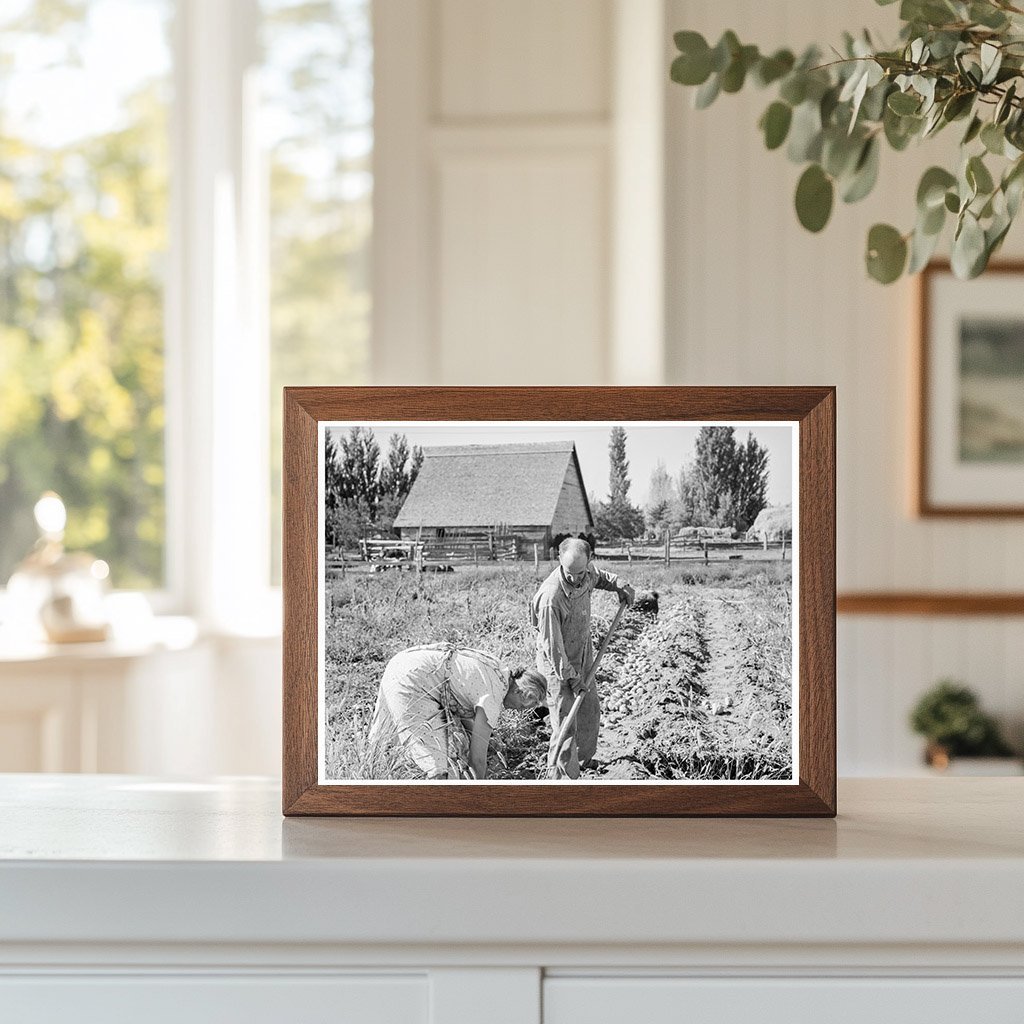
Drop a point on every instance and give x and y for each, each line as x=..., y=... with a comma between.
x=236, y=212
x=317, y=121
x=83, y=236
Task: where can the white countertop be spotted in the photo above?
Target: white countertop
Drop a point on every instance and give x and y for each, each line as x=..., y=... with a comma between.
x=120, y=859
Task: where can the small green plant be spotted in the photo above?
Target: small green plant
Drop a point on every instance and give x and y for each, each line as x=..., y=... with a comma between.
x=956, y=61
x=950, y=717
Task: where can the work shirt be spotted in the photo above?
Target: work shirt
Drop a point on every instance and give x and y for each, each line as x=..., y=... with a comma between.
x=477, y=679
x=412, y=698
x=561, y=615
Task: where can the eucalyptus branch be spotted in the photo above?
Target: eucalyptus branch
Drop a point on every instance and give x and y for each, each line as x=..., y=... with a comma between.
x=954, y=58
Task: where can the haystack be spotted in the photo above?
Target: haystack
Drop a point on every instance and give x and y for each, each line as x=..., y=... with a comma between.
x=773, y=523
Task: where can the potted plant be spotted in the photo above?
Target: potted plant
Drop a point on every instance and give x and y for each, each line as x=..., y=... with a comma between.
x=950, y=718
x=956, y=62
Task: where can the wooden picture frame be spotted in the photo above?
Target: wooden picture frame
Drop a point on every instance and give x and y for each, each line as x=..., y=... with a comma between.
x=811, y=413
x=945, y=483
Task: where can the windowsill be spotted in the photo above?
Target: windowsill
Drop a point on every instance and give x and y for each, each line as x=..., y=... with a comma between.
x=160, y=633
x=138, y=630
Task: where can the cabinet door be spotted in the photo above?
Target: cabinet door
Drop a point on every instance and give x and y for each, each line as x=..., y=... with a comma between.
x=653, y=1000
x=202, y=999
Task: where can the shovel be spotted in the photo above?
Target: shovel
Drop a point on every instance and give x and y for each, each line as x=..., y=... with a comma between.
x=556, y=748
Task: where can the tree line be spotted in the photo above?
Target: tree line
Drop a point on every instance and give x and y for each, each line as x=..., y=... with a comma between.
x=364, y=488
x=724, y=485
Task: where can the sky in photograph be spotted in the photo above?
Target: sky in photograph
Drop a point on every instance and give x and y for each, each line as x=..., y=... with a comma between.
x=646, y=445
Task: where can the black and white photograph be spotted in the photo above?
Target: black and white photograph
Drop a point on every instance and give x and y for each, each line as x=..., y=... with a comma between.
x=971, y=394
x=992, y=389
x=558, y=602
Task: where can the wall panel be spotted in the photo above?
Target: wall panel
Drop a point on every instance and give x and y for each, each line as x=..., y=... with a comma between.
x=519, y=245
x=530, y=58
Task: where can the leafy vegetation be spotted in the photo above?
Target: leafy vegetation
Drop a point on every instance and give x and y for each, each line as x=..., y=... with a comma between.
x=725, y=484
x=363, y=489
x=618, y=516
x=950, y=717
x=956, y=62
x=83, y=232
x=84, y=247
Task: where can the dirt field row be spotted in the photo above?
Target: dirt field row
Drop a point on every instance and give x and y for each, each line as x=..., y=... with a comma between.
x=700, y=691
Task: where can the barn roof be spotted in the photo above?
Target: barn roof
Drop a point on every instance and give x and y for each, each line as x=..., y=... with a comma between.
x=490, y=484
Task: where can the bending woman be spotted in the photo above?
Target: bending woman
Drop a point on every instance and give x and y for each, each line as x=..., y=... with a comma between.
x=444, y=701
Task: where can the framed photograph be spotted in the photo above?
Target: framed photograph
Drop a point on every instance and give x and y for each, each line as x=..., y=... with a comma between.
x=559, y=601
x=970, y=444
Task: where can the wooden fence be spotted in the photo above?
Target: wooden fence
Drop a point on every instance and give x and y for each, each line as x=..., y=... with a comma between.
x=460, y=549
x=697, y=550
x=467, y=549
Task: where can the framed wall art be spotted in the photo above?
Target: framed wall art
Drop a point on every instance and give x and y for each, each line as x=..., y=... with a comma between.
x=970, y=422
x=559, y=601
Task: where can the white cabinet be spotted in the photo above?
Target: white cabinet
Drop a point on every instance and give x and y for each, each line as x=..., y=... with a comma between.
x=126, y=899
x=202, y=999
x=828, y=1000
x=99, y=707
x=174, y=704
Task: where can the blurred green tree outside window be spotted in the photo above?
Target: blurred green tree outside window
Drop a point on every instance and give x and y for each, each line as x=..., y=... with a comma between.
x=317, y=124
x=83, y=239
x=84, y=211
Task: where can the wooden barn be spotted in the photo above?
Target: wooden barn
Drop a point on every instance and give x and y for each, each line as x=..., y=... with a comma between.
x=533, y=493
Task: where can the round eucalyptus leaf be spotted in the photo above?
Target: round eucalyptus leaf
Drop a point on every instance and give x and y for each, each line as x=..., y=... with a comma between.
x=840, y=152
x=1013, y=187
x=693, y=65
x=805, y=133
x=707, y=93
x=899, y=130
x=932, y=220
x=1005, y=105
x=775, y=123
x=978, y=176
x=689, y=42
x=903, y=103
x=814, y=195
x=874, y=103
x=887, y=253
x=735, y=74
x=993, y=138
x=725, y=50
x=828, y=103
x=933, y=187
x=952, y=202
x=958, y=106
x=995, y=234
x=865, y=173
x=987, y=15
x=922, y=248
x=771, y=69
x=794, y=89
x=968, y=254
x=973, y=130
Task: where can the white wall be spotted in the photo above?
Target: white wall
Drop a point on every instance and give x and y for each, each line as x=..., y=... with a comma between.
x=496, y=211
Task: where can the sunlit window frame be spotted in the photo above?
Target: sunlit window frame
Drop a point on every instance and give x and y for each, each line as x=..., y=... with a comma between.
x=216, y=320
x=217, y=352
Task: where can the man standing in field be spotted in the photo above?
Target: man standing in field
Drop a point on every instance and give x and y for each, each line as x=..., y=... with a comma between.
x=560, y=612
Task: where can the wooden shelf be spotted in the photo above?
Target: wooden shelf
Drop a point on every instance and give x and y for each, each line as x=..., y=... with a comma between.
x=928, y=603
